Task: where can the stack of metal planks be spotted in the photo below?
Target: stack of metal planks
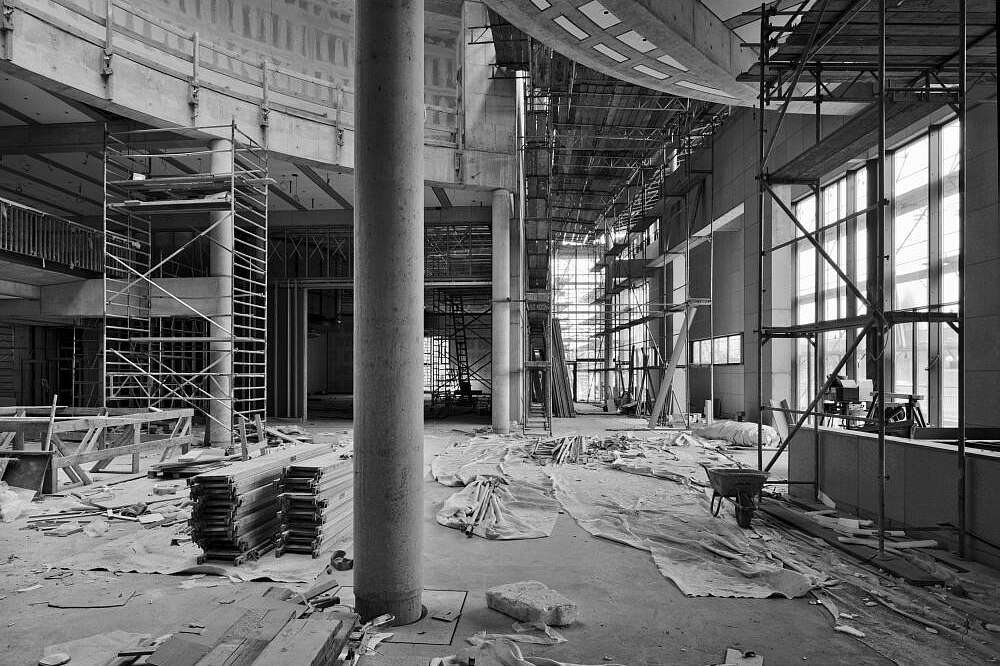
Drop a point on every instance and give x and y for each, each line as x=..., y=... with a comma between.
x=235, y=514
x=316, y=504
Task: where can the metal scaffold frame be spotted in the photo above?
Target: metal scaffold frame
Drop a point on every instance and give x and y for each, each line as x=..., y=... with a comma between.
x=154, y=359
x=452, y=365
x=647, y=196
x=821, y=31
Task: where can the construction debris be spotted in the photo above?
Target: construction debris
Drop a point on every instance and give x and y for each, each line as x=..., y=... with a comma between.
x=561, y=450
x=562, y=387
x=532, y=601
x=316, y=504
x=235, y=516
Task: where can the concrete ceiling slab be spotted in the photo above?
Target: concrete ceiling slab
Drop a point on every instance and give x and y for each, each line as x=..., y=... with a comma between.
x=31, y=275
x=676, y=46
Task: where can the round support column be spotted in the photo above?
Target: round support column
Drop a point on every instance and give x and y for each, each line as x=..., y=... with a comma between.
x=500, y=375
x=516, y=321
x=222, y=240
x=389, y=309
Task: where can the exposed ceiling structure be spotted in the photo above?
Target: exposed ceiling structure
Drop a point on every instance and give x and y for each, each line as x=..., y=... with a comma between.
x=594, y=140
x=66, y=177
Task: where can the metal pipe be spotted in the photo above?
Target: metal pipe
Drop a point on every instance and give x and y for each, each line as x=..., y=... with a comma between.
x=879, y=305
x=761, y=197
x=816, y=399
x=963, y=174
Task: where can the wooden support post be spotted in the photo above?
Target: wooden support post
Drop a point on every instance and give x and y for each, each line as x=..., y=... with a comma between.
x=47, y=442
x=261, y=435
x=244, y=446
x=136, y=432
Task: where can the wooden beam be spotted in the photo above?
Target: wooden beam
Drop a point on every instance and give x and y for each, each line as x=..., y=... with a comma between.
x=324, y=185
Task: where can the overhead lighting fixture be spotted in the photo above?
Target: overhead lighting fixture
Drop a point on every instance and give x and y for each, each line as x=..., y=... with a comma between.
x=542, y=4
x=610, y=52
x=570, y=27
x=649, y=71
x=636, y=41
x=667, y=60
x=599, y=14
x=700, y=88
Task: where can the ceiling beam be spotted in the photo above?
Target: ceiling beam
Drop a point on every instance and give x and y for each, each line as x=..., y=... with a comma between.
x=324, y=185
x=11, y=289
x=17, y=115
x=286, y=197
x=442, y=196
x=77, y=138
x=456, y=216
x=43, y=205
x=44, y=183
x=746, y=18
x=67, y=169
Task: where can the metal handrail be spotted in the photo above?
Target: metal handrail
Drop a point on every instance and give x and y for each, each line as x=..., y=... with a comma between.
x=33, y=233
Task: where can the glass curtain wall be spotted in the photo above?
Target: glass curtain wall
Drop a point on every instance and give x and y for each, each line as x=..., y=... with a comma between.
x=922, y=272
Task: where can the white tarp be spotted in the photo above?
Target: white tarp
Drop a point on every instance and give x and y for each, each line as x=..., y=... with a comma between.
x=663, y=509
x=461, y=463
x=525, y=508
x=738, y=433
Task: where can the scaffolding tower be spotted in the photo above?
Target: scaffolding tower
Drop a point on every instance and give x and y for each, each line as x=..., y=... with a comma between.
x=185, y=301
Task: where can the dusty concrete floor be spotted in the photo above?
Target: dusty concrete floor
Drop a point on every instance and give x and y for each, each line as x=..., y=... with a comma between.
x=629, y=612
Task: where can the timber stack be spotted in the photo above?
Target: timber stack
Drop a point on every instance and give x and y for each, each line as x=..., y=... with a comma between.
x=562, y=386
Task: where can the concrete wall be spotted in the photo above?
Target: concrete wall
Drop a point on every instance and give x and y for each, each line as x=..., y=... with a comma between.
x=921, y=484
x=732, y=160
x=982, y=268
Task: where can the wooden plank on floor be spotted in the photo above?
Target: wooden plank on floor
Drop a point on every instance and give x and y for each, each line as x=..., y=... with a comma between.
x=303, y=642
x=897, y=566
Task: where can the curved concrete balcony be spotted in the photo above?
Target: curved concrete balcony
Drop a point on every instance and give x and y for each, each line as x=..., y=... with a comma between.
x=676, y=46
x=285, y=77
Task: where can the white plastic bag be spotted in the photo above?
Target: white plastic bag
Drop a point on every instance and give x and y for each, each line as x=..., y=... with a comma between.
x=13, y=501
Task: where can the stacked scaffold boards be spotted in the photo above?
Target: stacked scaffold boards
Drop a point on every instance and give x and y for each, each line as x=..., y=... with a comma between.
x=236, y=508
x=316, y=504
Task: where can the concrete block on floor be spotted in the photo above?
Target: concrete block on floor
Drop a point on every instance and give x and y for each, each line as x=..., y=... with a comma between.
x=531, y=601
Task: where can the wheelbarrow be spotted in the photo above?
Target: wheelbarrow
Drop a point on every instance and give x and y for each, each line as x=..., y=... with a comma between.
x=741, y=485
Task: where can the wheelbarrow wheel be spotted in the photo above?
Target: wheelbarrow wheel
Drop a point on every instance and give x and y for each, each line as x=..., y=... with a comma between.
x=744, y=508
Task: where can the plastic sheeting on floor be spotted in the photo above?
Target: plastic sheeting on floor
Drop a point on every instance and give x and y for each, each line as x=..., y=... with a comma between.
x=460, y=464
x=666, y=512
x=524, y=509
x=663, y=510
x=507, y=653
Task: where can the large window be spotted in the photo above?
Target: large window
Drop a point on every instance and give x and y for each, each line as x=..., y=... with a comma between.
x=921, y=273
x=720, y=350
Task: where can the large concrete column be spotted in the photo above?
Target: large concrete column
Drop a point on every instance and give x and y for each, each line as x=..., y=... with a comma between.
x=222, y=240
x=389, y=309
x=500, y=380
x=516, y=320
